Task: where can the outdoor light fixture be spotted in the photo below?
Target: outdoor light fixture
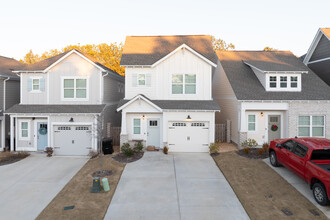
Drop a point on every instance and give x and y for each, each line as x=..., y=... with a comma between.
x=71, y=120
x=143, y=117
x=262, y=114
x=188, y=118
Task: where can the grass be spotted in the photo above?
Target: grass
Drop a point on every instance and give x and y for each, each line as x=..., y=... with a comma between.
x=262, y=192
x=77, y=193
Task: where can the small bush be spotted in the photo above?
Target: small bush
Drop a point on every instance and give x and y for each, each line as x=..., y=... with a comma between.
x=246, y=150
x=260, y=151
x=49, y=151
x=214, y=148
x=138, y=146
x=127, y=150
x=250, y=143
x=265, y=146
x=93, y=154
x=165, y=150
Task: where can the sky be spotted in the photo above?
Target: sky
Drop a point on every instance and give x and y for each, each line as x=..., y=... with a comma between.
x=249, y=24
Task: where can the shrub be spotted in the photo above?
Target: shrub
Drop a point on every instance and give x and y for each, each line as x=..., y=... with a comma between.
x=138, y=146
x=250, y=143
x=49, y=151
x=165, y=150
x=214, y=148
x=265, y=146
x=93, y=154
x=127, y=150
x=260, y=151
x=246, y=150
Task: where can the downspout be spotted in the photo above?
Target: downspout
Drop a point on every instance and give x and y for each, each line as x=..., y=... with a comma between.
x=3, y=124
x=4, y=93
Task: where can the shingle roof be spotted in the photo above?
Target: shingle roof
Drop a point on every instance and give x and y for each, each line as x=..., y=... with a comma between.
x=246, y=85
x=7, y=65
x=146, y=50
x=181, y=104
x=326, y=31
x=30, y=109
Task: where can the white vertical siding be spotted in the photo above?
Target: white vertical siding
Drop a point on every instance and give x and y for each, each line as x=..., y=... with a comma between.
x=31, y=97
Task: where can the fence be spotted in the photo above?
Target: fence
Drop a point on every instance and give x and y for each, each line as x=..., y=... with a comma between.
x=114, y=133
x=220, y=133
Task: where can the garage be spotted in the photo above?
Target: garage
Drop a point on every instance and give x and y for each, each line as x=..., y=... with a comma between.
x=188, y=136
x=72, y=140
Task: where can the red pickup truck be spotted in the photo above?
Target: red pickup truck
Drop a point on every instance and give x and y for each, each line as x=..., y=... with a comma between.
x=308, y=158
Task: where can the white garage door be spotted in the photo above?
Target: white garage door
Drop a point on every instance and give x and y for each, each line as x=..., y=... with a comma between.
x=72, y=140
x=188, y=136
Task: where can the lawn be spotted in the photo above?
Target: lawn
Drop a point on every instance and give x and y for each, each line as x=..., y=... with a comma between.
x=262, y=192
x=77, y=193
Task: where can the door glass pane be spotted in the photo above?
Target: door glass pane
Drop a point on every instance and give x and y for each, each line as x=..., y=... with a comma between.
x=190, y=89
x=317, y=132
x=68, y=83
x=68, y=93
x=304, y=120
x=81, y=93
x=177, y=78
x=318, y=120
x=303, y=132
x=190, y=78
x=81, y=83
x=177, y=89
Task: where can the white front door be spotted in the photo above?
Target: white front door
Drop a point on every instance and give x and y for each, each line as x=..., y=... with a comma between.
x=274, y=127
x=188, y=136
x=153, y=133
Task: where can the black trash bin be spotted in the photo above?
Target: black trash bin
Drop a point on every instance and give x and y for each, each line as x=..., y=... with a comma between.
x=107, y=146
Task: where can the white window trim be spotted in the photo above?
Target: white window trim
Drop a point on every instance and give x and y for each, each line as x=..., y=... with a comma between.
x=310, y=126
x=278, y=83
x=145, y=80
x=136, y=127
x=20, y=130
x=255, y=123
x=74, y=78
x=183, y=84
x=32, y=90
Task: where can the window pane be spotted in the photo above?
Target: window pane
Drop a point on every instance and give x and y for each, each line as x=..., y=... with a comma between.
x=68, y=83
x=35, y=81
x=81, y=93
x=24, y=125
x=190, y=89
x=190, y=78
x=24, y=133
x=81, y=83
x=141, y=77
x=283, y=85
x=294, y=85
x=272, y=78
x=283, y=78
x=136, y=130
x=142, y=82
x=303, y=131
x=137, y=122
x=318, y=120
x=35, y=87
x=294, y=79
x=68, y=93
x=252, y=126
x=304, y=120
x=177, y=89
x=252, y=118
x=272, y=85
x=317, y=132
x=177, y=78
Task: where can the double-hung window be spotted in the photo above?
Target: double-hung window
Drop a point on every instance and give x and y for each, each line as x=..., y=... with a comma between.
x=311, y=126
x=251, y=122
x=294, y=81
x=184, y=84
x=284, y=81
x=35, y=84
x=75, y=88
x=141, y=79
x=137, y=126
x=272, y=82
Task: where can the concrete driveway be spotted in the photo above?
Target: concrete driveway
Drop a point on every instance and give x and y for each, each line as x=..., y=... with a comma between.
x=175, y=186
x=27, y=186
x=300, y=185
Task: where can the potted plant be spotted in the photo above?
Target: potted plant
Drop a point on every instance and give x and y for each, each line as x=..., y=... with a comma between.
x=49, y=151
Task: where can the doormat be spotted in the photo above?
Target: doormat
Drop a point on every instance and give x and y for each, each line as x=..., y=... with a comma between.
x=287, y=212
x=69, y=207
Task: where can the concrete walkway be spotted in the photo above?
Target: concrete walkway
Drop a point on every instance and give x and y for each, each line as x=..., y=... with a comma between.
x=27, y=186
x=175, y=186
x=300, y=185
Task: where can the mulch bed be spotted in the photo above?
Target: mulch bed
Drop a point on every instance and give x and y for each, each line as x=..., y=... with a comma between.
x=122, y=158
x=253, y=154
x=12, y=158
x=103, y=173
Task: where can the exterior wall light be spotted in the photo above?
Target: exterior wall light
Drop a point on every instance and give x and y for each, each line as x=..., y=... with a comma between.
x=261, y=114
x=71, y=120
x=188, y=118
x=143, y=117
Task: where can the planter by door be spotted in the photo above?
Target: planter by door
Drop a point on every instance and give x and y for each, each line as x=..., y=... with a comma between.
x=274, y=127
x=153, y=135
x=42, y=136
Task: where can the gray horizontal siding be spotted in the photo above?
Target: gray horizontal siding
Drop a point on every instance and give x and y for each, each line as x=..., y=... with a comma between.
x=322, y=50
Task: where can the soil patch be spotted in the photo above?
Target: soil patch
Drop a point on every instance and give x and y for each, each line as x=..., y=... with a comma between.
x=76, y=193
x=253, y=154
x=102, y=173
x=122, y=158
x=263, y=193
x=12, y=157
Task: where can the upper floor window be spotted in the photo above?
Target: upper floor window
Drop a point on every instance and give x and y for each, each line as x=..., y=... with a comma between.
x=75, y=88
x=35, y=84
x=184, y=84
x=283, y=82
x=141, y=79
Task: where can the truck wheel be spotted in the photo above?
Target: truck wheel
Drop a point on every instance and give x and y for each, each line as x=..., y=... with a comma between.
x=273, y=159
x=320, y=194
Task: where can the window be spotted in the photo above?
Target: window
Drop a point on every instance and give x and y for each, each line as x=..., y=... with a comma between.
x=35, y=84
x=24, y=130
x=311, y=126
x=75, y=88
x=300, y=150
x=62, y=128
x=137, y=126
x=289, y=145
x=284, y=82
x=272, y=82
x=141, y=79
x=294, y=81
x=251, y=122
x=184, y=84
x=178, y=124
x=197, y=124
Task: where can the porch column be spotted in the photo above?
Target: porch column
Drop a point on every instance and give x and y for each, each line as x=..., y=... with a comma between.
x=11, y=133
x=3, y=132
x=123, y=123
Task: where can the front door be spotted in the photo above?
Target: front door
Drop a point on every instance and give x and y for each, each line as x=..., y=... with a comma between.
x=42, y=135
x=153, y=133
x=274, y=127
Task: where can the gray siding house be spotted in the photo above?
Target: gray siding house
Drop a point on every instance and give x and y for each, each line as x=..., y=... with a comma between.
x=318, y=56
x=9, y=94
x=66, y=101
x=270, y=95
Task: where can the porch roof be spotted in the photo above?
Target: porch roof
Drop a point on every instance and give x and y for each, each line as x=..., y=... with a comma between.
x=79, y=109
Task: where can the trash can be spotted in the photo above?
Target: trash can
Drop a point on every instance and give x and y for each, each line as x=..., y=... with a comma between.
x=107, y=146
